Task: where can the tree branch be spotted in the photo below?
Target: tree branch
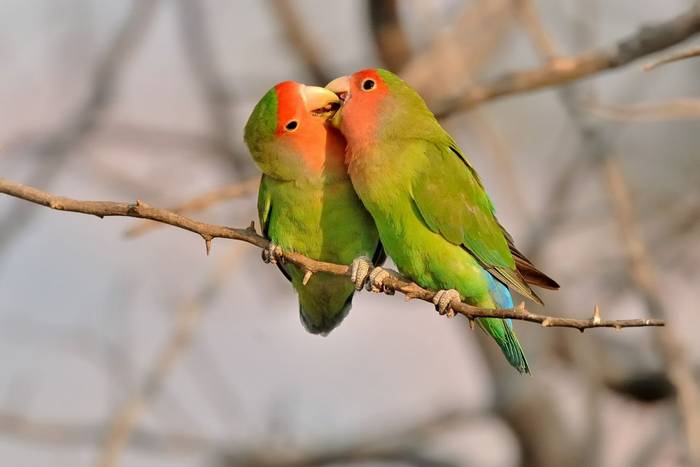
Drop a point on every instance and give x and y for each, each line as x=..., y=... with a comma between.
x=210, y=231
x=202, y=202
x=647, y=40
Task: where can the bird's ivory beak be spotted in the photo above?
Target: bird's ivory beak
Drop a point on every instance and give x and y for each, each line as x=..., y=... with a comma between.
x=340, y=86
x=317, y=99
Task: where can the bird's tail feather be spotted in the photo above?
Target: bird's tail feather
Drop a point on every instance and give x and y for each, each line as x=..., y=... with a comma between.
x=324, y=322
x=502, y=332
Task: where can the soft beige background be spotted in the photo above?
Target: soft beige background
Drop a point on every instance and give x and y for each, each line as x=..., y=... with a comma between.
x=84, y=311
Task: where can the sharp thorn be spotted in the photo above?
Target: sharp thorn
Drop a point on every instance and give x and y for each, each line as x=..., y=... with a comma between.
x=307, y=276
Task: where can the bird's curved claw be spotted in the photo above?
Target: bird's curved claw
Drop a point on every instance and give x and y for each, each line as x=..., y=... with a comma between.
x=443, y=301
x=359, y=271
x=272, y=254
x=376, y=280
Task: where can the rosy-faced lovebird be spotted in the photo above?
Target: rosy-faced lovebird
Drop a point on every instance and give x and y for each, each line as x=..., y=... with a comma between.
x=434, y=217
x=306, y=202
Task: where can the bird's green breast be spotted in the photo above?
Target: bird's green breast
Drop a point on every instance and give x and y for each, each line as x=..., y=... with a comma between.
x=420, y=253
x=325, y=221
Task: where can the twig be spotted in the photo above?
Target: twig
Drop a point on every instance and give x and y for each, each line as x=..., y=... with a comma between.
x=201, y=202
x=647, y=40
x=187, y=320
x=209, y=231
x=685, y=54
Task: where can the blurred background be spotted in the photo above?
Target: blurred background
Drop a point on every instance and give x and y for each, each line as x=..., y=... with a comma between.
x=124, y=344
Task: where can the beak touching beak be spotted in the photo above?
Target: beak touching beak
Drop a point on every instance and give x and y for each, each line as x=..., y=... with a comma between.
x=319, y=100
x=341, y=87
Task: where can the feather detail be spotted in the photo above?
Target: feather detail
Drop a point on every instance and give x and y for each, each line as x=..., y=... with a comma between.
x=530, y=273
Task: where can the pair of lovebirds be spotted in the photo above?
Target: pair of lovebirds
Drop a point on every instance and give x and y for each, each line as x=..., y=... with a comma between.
x=362, y=166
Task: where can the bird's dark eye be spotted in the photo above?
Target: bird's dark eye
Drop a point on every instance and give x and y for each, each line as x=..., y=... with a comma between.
x=368, y=84
x=291, y=125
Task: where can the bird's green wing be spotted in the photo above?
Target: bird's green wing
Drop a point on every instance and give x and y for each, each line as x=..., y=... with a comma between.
x=452, y=201
x=265, y=206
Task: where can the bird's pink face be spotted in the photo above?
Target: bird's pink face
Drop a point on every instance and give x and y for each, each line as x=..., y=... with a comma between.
x=362, y=94
x=301, y=120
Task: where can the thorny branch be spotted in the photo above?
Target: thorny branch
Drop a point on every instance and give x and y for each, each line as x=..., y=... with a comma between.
x=210, y=231
x=202, y=202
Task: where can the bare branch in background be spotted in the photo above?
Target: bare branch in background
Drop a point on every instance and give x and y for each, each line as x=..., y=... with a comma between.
x=296, y=34
x=57, y=433
x=53, y=150
x=201, y=203
x=490, y=136
x=677, y=109
x=209, y=231
x=201, y=57
x=484, y=22
x=404, y=445
x=390, y=39
x=530, y=19
x=187, y=320
x=647, y=40
x=683, y=55
x=679, y=369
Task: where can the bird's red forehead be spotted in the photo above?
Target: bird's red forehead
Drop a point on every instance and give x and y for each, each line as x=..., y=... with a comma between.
x=358, y=77
x=290, y=104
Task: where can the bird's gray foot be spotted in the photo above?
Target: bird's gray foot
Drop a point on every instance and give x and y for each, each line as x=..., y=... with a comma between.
x=359, y=271
x=443, y=301
x=272, y=254
x=377, y=278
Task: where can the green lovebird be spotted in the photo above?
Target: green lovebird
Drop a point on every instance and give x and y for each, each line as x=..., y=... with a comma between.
x=306, y=202
x=434, y=217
